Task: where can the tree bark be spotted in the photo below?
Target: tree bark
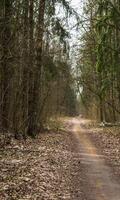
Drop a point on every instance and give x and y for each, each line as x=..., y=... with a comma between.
x=35, y=104
x=6, y=68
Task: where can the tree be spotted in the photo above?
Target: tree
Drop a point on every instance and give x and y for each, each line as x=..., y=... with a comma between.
x=34, y=45
x=101, y=44
x=6, y=71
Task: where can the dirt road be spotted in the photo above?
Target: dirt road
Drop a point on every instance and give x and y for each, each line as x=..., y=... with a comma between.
x=96, y=179
x=63, y=165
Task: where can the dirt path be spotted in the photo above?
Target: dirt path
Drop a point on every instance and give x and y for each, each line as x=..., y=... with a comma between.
x=63, y=165
x=96, y=181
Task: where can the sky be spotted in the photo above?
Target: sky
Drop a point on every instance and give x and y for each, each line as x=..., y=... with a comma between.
x=75, y=34
x=76, y=3
x=78, y=6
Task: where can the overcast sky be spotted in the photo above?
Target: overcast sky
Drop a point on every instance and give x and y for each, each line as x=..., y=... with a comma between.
x=75, y=34
x=77, y=4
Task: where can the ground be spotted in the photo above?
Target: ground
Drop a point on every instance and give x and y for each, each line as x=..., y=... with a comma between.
x=79, y=163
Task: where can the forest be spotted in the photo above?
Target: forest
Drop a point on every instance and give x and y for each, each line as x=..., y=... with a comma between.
x=98, y=61
x=36, y=79
x=60, y=99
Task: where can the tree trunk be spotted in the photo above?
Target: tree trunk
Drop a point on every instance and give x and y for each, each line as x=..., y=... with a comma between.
x=35, y=104
x=25, y=64
x=31, y=71
x=6, y=68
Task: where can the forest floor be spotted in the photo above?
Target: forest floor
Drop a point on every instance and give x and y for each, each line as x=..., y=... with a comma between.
x=80, y=163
